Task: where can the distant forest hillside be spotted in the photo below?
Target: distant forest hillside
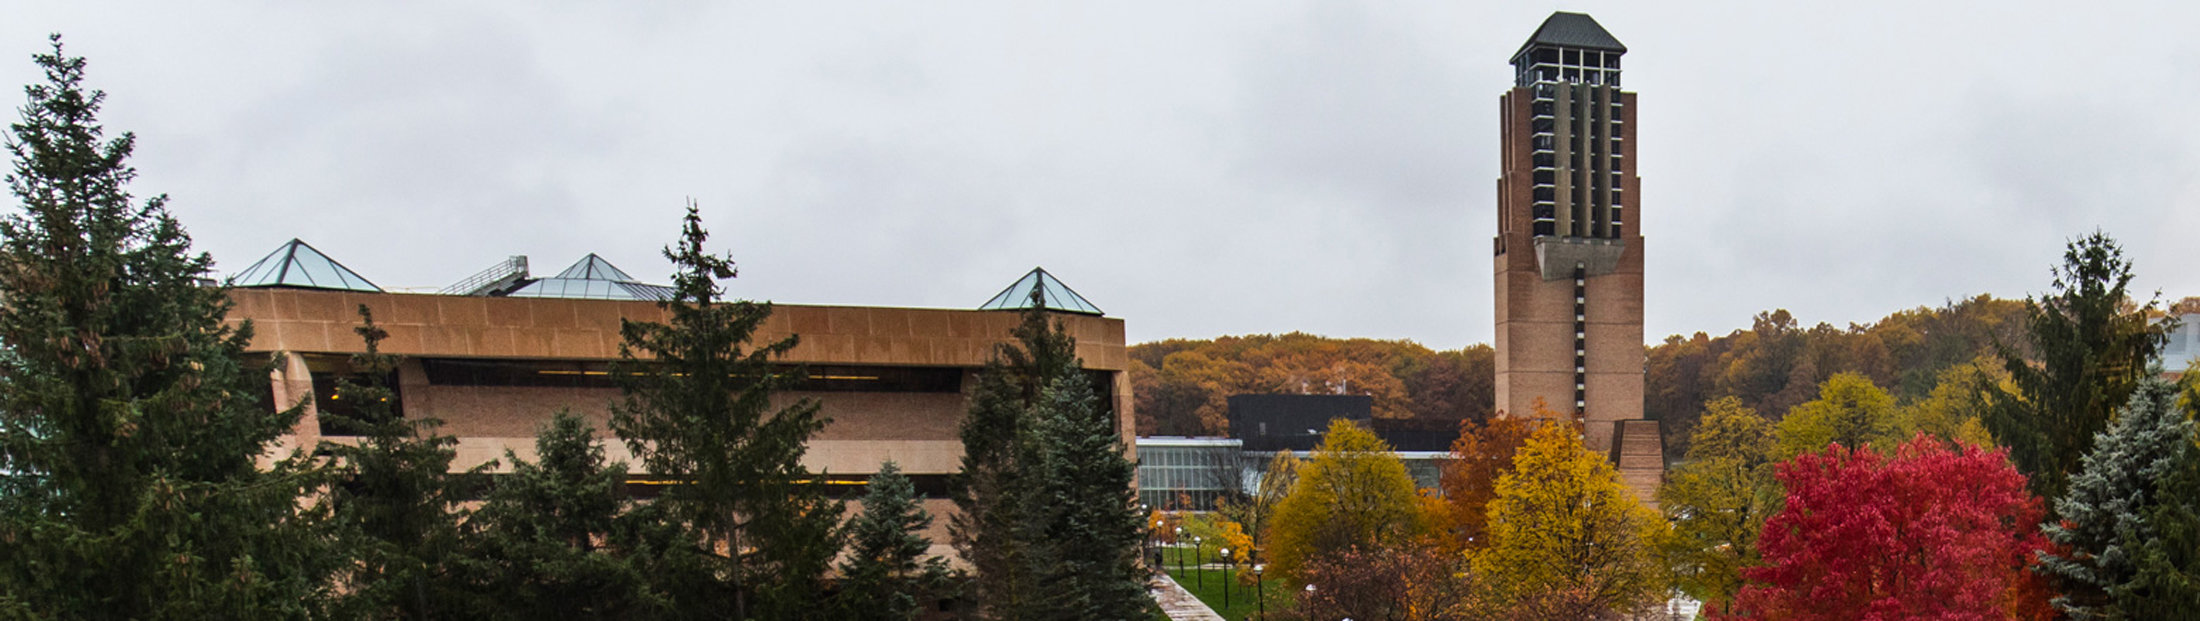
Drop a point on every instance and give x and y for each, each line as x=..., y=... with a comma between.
x=1181, y=385
x=1776, y=363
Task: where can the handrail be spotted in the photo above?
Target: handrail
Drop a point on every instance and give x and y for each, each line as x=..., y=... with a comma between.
x=504, y=271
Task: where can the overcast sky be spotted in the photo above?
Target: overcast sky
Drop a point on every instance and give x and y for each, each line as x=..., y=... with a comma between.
x=1197, y=169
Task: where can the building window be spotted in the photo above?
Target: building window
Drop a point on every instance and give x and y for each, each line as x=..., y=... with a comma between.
x=339, y=416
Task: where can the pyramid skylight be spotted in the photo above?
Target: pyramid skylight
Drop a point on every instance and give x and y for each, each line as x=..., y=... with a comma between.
x=593, y=278
x=1052, y=293
x=296, y=264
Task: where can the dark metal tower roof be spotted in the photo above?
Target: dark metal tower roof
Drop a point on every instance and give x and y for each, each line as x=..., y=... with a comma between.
x=1575, y=30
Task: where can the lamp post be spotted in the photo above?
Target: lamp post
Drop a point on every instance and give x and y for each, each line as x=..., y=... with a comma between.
x=1310, y=602
x=1199, y=563
x=1260, y=589
x=1225, y=578
x=1178, y=543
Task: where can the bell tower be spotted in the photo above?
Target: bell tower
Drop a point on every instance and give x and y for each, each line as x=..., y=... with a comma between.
x=1569, y=245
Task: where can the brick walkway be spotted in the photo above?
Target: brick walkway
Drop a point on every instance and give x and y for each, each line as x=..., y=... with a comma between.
x=1180, y=604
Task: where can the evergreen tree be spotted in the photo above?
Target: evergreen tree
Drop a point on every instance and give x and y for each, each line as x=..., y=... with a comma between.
x=1049, y=522
x=2165, y=582
x=699, y=411
x=1086, y=556
x=2092, y=346
x=397, y=505
x=132, y=428
x=2112, y=500
x=993, y=530
x=547, y=534
x=887, y=576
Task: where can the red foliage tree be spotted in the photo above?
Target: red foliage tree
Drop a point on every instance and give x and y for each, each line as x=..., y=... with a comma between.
x=1931, y=533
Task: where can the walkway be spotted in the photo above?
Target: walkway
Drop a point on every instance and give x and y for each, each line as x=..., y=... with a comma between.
x=1180, y=604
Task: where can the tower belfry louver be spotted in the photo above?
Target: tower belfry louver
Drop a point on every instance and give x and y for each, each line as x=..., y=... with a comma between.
x=1569, y=248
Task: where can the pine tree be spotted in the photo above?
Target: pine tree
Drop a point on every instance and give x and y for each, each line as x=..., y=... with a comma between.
x=2112, y=500
x=2091, y=346
x=2165, y=582
x=698, y=410
x=992, y=529
x=131, y=423
x=887, y=576
x=1049, y=522
x=548, y=534
x=397, y=504
x=1086, y=556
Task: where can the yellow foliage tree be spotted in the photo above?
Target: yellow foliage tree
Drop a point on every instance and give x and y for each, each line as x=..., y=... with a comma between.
x=1351, y=492
x=1482, y=454
x=1717, y=501
x=1952, y=410
x=1849, y=410
x=1567, y=538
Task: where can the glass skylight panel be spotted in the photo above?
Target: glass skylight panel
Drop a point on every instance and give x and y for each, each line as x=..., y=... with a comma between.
x=1054, y=294
x=296, y=264
x=593, y=267
x=593, y=278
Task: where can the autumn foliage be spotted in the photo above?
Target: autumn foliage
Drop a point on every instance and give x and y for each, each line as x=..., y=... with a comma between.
x=1182, y=386
x=1407, y=582
x=1932, y=532
x=1352, y=492
x=1567, y=538
x=1482, y=454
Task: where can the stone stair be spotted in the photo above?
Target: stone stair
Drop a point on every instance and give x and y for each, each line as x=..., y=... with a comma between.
x=1639, y=451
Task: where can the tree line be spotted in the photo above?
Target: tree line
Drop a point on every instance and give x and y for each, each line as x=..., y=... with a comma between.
x=1183, y=385
x=137, y=479
x=1928, y=359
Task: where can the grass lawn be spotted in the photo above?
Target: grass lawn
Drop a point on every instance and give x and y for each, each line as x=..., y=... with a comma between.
x=1242, y=604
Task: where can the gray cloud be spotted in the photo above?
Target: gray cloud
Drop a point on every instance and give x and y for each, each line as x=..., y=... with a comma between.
x=1196, y=169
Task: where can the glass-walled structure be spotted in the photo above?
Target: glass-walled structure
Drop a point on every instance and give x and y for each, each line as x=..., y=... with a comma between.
x=1178, y=474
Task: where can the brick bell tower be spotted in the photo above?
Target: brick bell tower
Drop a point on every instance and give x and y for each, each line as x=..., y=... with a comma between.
x=1569, y=245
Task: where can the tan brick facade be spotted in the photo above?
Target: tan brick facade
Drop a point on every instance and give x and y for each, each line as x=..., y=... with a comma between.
x=918, y=430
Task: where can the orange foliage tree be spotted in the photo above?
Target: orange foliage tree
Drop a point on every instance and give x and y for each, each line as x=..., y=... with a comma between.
x=1482, y=454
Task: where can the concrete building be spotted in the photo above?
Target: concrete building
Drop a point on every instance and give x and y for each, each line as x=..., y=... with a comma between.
x=1569, y=245
x=495, y=356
